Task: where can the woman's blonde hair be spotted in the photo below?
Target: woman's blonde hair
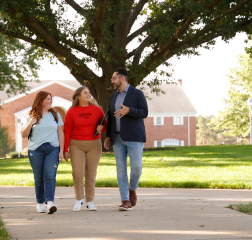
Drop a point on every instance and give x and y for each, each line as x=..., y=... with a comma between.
x=77, y=93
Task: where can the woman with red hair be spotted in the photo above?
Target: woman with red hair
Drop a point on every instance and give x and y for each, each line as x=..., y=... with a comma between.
x=44, y=129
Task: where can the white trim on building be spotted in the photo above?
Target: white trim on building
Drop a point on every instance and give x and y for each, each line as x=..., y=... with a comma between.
x=37, y=89
x=169, y=143
x=184, y=114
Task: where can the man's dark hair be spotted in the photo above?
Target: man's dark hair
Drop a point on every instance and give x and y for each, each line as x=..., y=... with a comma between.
x=122, y=72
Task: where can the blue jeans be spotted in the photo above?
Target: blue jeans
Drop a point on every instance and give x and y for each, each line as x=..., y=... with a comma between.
x=135, y=151
x=44, y=161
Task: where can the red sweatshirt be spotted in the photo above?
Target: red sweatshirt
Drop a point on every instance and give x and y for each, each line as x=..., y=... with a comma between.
x=81, y=123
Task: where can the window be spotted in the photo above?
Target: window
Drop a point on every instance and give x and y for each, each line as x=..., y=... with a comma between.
x=158, y=120
x=157, y=143
x=178, y=120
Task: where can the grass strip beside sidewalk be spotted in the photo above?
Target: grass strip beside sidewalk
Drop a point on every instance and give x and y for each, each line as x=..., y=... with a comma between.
x=245, y=208
x=4, y=234
x=185, y=167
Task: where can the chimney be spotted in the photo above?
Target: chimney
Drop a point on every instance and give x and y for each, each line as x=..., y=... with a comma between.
x=180, y=81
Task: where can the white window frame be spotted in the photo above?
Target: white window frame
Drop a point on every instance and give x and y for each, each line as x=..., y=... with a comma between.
x=161, y=118
x=156, y=143
x=181, y=120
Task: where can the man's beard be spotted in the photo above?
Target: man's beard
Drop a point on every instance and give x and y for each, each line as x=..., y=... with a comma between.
x=117, y=86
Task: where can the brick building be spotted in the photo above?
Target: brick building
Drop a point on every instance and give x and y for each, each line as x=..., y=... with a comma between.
x=172, y=118
x=166, y=124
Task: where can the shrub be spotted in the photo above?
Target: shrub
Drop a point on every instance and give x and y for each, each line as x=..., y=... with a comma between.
x=6, y=143
x=13, y=154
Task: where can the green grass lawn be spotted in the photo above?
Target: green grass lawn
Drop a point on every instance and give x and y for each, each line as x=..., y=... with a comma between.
x=190, y=167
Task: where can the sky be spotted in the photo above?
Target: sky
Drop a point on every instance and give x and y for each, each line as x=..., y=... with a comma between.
x=204, y=77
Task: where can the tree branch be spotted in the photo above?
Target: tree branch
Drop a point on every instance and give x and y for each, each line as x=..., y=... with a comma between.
x=54, y=24
x=97, y=25
x=27, y=39
x=209, y=38
x=145, y=27
x=165, y=47
x=154, y=23
x=80, y=78
x=238, y=6
x=120, y=26
x=190, y=44
x=77, y=7
x=59, y=49
x=138, y=8
x=82, y=49
x=130, y=54
x=140, y=49
x=167, y=50
x=156, y=64
x=36, y=26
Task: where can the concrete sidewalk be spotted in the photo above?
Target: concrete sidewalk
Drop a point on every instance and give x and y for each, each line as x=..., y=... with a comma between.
x=159, y=214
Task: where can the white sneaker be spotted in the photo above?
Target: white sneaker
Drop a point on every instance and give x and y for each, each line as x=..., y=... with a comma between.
x=51, y=207
x=77, y=206
x=40, y=208
x=91, y=206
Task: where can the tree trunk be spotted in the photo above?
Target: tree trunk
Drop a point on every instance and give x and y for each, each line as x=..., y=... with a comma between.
x=103, y=101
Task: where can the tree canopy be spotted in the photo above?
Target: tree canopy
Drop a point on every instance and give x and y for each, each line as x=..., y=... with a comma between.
x=17, y=65
x=234, y=118
x=139, y=35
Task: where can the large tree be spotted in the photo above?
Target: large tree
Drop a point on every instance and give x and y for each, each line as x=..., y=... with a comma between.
x=79, y=33
x=234, y=118
x=17, y=64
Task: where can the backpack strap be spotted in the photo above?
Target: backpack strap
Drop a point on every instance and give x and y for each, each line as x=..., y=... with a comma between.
x=55, y=118
x=29, y=136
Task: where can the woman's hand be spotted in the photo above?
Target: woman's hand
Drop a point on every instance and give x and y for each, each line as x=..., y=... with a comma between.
x=33, y=121
x=99, y=128
x=66, y=155
x=25, y=131
x=61, y=157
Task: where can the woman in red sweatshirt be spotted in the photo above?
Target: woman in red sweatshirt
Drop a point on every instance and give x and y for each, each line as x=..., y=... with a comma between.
x=81, y=122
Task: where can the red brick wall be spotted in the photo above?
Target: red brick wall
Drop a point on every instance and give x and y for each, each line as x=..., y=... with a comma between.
x=8, y=110
x=168, y=130
x=193, y=131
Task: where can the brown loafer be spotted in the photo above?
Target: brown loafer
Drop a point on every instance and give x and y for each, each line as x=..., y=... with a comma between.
x=126, y=206
x=133, y=197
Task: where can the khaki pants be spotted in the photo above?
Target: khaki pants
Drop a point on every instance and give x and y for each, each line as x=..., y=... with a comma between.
x=85, y=157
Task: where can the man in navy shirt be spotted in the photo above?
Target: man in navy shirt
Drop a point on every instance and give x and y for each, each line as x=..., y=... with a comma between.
x=126, y=133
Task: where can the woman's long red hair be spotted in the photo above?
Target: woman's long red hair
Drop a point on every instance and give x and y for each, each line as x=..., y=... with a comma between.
x=36, y=111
